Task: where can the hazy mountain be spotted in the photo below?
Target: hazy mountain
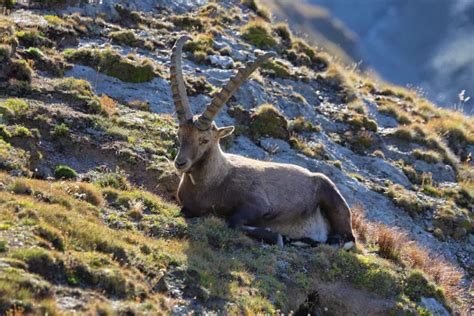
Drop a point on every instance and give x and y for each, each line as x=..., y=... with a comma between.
x=426, y=43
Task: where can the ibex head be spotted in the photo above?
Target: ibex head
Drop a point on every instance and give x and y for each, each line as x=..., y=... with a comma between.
x=198, y=134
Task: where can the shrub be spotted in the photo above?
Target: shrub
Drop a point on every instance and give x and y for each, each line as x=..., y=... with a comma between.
x=429, y=156
x=391, y=108
x=54, y=20
x=336, y=78
x=39, y=261
x=268, y=121
x=188, y=22
x=418, y=286
x=21, y=70
x=82, y=91
x=22, y=131
x=301, y=125
x=257, y=8
x=277, y=69
x=32, y=37
x=5, y=53
x=60, y=130
x=258, y=33
x=52, y=235
x=108, y=104
x=111, y=63
x=284, y=32
x=310, y=149
x=64, y=172
x=139, y=105
x=11, y=108
x=406, y=199
x=128, y=37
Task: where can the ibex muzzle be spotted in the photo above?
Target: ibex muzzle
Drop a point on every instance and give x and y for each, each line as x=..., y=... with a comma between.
x=284, y=198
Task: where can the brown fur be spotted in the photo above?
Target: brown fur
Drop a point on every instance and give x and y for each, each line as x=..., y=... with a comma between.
x=282, y=197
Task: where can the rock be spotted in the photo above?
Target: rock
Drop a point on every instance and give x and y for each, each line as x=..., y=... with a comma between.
x=225, y=62
x=433, y=306
x=459, y=233
x=274, y=145
x=197, y=291
x=240, y=55
x=471, y=239
x=244, y=146
x=438, y=232
x=428, y=225
x=439, y=171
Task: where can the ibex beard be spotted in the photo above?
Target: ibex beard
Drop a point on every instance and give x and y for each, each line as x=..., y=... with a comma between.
x=265, y=199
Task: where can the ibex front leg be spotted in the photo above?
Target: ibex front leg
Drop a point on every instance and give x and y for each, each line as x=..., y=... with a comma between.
x=245, y=216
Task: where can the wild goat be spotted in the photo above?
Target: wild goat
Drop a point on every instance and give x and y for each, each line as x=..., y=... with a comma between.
x=273, y=198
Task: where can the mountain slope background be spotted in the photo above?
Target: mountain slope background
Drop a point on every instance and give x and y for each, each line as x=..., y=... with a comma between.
x=423, y=44
x=88, y=220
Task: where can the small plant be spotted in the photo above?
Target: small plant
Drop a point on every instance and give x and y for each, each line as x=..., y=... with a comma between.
x=255, y=6
x=60, y=130
x=21, y=70
x=310, y=149
x=390, y=108
x=336, y=78
x=284, y=32
x=406, y=199
x=301, y=125
x=379, y=154
x=64, y=172
x=108, y=104
x=277, y=69
x=139, y=105
x=32, y=38
x=268, y=121
x=258, y=33
x=128, y=37
x=429, y=156
x=11, y=108
x=5, y=53
x=55, y=20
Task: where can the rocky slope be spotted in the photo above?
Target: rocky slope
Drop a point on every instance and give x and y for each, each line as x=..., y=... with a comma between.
x=88, y=220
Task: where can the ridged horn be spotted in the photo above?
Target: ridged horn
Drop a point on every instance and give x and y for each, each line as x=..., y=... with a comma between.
x=178, y=87
x=205, y=119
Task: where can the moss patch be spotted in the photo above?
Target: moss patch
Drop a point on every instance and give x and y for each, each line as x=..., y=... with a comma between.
x=111, y=63
x=268, y=121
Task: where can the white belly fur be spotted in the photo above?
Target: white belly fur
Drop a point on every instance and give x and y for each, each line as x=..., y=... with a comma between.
x=315, y=227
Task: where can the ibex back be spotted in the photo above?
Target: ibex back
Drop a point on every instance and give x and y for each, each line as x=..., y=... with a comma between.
x=284, y=198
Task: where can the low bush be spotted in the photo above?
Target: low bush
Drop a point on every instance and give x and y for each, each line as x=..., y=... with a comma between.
x=64, y=172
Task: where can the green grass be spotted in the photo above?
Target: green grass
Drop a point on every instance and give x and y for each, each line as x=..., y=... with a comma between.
x=258, y=33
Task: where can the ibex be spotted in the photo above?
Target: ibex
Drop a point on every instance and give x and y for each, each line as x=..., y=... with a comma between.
x=265, y=199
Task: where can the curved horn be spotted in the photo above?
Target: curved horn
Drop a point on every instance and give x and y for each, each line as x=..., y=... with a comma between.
x=205, y=119
x=178, y=87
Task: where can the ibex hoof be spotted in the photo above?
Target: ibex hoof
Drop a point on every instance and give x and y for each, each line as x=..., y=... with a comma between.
x=348, y=245
x=280, y=243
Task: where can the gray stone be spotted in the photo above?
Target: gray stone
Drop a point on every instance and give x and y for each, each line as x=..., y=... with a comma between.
x=274, y=145
x=244, y=146
x=471, y=239
x=221, y=61
x=434, y=306
x=439, y=171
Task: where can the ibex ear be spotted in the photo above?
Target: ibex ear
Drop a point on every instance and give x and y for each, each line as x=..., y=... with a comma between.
x=225, y=131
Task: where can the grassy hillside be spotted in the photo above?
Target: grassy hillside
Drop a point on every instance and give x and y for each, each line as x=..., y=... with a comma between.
x=88, y=220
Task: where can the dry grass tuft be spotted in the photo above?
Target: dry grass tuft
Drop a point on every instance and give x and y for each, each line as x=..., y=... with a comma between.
x=396, y=245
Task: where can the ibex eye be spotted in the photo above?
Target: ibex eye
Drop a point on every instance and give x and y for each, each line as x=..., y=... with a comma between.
x=204, y=141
